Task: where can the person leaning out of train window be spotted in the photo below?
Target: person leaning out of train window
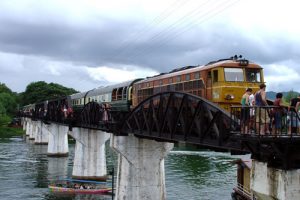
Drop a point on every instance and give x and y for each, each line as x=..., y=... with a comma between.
x=262, y=118
x=245, y=112
x=277, y=113
x=294, y=123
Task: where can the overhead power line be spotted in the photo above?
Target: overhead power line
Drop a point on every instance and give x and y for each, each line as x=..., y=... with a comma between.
x=157, y=20
x=168, y=34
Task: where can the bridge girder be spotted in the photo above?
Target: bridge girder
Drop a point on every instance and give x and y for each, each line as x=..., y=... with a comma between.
x=180, y=117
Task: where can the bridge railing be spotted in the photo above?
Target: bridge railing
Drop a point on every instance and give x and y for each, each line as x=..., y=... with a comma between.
x=265, y=121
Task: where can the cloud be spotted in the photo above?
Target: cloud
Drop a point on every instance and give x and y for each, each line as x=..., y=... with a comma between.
x=62, y=41
x=112, y=75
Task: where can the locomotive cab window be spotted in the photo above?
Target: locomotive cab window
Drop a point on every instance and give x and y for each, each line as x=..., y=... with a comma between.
x=253, y=75
x=234, y=74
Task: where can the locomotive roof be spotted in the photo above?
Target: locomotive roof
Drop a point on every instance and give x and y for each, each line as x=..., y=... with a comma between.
x=210, y=65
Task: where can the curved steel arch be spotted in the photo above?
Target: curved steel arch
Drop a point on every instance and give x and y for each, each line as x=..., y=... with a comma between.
x=90, y=115
x=98, y=116
x=176, y=116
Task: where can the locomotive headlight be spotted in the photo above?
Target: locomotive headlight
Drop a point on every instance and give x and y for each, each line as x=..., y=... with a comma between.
x=243, y=62
x=229, y=97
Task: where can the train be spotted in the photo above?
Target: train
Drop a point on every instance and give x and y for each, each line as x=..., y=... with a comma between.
x=222, y=82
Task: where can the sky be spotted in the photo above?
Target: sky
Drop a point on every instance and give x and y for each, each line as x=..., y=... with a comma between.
x=87, y=44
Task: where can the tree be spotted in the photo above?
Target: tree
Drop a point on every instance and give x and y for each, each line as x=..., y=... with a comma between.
x=40, y=91
x=2, y=110
x=291, y=94
x=8, y=101
x=4, y=88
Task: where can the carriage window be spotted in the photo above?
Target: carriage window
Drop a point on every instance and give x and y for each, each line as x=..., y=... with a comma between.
x=253, y=75
x=119, y=95
x=187, y=77
x=234, y=74
x=197, y=75
x=114, y=94
x=125, y=93
x=209, y=75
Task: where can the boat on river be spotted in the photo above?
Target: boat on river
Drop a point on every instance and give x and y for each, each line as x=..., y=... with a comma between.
x=242, y=190
x=76, y=186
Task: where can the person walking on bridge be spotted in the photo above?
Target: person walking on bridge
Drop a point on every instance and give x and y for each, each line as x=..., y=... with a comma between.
x=262, y=118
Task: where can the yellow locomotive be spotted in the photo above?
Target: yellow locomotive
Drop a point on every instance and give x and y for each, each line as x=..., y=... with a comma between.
x=222, y=82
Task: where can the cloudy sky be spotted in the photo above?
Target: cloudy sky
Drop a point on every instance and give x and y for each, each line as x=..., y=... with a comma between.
x=86, y=44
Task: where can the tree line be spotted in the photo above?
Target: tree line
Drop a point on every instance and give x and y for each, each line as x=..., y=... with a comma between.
x=10, y=101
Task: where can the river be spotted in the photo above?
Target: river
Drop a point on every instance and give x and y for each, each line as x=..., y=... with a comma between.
x=26, y=171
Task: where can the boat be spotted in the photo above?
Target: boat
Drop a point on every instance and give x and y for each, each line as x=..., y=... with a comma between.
x=76, y=186
x=242, y=190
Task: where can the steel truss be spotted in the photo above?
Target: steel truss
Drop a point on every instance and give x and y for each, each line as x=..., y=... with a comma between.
x=175, y=116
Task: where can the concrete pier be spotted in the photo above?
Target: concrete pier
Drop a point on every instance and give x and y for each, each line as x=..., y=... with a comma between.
x=141, y=173
x=90, y=158
x=34, y=130
x=24, y=123
x=28, y=126
x=42, y=133
x=272, y=184
x=58, y=140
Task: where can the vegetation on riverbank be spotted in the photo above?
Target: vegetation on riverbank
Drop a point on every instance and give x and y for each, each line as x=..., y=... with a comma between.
x=6, y=131
x=11, y=102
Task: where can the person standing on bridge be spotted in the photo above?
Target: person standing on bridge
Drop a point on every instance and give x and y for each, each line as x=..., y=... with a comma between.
x=262, y=118
x=293, y=114
x=245, y=112
x=278, y=113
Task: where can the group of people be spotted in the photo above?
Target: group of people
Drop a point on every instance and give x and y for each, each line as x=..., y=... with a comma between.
x=80, y=186
x=258, y=116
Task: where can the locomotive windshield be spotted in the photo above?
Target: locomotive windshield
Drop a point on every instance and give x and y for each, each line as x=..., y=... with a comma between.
x=253, y=75
x=234, y=74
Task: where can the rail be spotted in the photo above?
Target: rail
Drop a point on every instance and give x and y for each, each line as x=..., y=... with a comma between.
x=243, y=191
x=265, y=121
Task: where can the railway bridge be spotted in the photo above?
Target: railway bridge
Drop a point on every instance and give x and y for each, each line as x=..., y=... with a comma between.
x=144, y=136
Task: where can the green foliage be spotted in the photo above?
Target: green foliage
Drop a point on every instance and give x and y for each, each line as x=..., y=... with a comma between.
x=2, y=110
x=8, y=102
x=4, y=120
x=4, y=88
x=6, y=132
x=290, y=94
x=41, y=91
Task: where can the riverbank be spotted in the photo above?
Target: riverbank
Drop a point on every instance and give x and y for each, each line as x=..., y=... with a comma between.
x=6, y=132
x=8, y=128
